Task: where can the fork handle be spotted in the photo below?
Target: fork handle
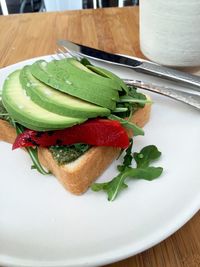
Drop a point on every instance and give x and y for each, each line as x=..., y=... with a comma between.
x=190, y=99
x=171, y=74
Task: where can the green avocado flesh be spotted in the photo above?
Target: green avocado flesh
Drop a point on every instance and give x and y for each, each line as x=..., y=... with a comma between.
x=108, y=74
x=75, y=65
x=29, y=114
x=56, y=101
x=68, y=77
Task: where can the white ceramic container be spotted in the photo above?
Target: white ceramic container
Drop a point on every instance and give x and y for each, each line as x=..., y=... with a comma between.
x=60, y=5
x=170, y=31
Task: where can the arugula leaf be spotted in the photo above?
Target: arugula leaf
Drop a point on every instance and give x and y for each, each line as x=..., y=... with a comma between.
x=148, y=173
x=117, y=184
x=136, y=129
x=3, y=112
x=146, y=155
x=19, y=128
x=127, y=158
x=142, y=171
x=85, y=62
x=33, y=152
x=131, y=99
x=113, y=187
x=135, y=94
x=120, y=109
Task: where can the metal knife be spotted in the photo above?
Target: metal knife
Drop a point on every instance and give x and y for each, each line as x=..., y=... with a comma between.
x=137, y=64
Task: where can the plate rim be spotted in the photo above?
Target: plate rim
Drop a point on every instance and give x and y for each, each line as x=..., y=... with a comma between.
x=126, y=252
x=97, y=260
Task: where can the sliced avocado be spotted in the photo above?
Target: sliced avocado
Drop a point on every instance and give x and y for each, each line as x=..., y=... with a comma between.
x=56, y=101
x=83, y=77
x=109, y=74
x=28, y=125
x=73, y=81
x=26, y=112
x=102, y=79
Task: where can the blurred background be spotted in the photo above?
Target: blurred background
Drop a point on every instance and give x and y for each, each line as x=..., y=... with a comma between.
x=24, y=6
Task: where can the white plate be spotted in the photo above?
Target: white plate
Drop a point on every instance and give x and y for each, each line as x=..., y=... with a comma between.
x=43, y=225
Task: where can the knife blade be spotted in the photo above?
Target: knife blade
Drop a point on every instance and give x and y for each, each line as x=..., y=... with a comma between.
x=137, y=64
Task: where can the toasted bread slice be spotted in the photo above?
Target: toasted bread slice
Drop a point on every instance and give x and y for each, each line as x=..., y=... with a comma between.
x=78, y=175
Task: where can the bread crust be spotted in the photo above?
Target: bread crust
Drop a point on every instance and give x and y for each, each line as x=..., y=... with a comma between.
x=77, y=176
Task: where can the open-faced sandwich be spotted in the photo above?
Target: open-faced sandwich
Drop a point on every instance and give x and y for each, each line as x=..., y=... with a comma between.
x=74, y=119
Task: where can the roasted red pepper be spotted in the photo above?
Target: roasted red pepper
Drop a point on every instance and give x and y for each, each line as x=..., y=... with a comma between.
x=97, y=132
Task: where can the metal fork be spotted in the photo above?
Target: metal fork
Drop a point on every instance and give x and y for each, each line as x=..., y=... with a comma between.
x=191, y=99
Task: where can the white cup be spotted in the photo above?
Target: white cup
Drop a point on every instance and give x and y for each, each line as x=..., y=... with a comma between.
x=59, y=5
x=170, y=31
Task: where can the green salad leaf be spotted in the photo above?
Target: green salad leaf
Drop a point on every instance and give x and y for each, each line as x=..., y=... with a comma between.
x=85, y=62
x=33, y=152
x=127, y=158
x=136, y=129
x=143, y=170
x=132, y=100
x=146, y=155
x=3, y=112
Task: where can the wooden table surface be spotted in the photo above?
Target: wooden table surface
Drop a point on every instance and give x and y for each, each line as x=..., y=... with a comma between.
x=115, y=30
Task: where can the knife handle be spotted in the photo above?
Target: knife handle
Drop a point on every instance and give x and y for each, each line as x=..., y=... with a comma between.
x=171, y=74
x=187, y=98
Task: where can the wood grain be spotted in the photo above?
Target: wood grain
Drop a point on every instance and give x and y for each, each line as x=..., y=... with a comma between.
x=115, y=30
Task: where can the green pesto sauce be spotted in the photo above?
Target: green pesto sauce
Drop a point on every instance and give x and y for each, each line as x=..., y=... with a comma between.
x=66, y=154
